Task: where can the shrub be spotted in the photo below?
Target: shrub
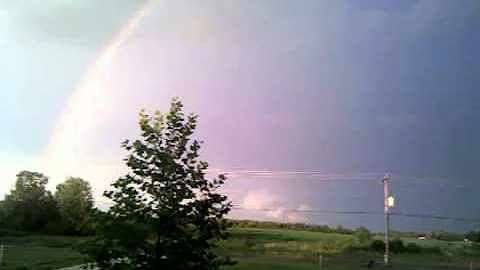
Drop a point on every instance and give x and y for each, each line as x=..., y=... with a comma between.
x=413, y=248
x=362, y=235
x=378, y=245
x=396, y=246
x=433, y=250
x=249, y=243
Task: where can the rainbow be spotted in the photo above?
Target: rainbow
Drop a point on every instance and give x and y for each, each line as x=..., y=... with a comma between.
x=89, y=84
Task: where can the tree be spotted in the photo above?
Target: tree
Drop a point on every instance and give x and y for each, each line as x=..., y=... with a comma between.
x=473, y=236
x=166, y=214
x=362, y=234
x=30, y=205
x=75, y=203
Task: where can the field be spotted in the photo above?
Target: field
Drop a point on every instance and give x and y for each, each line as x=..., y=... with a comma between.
x=261, y=249
x=39, y=252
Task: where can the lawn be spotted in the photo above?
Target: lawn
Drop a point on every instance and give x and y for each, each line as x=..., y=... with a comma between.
x=253, y=248
x=283, y=248
x=39, y=258
x=39, y=252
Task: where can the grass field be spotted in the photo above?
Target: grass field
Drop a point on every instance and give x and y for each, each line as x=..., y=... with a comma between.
x=261, y=249
x=39, y=252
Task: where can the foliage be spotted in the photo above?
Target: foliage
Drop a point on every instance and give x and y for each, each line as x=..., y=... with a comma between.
x=378, y=245
x=413, y=248
x=75, y=203
x=362, y=235
x=166, y=213
x=446, y=236
x=396, y=245
x=290, y=226
x=473, y=236
x=29, y=206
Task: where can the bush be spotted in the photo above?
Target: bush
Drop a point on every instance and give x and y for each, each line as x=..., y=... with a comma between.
x=396, y=246
x=378, y=245
x=432, y=250
x=346, y=244
x=249, y=243
x=413, y=248
x=362, y=235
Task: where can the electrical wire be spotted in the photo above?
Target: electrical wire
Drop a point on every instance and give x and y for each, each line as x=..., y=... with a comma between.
x=322, y=176
x=360, y=213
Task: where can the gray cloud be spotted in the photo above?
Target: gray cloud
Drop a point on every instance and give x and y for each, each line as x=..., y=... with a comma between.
x=79, y=23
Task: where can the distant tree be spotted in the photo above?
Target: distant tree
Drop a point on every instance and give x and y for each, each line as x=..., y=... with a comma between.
x=362, y=235
x=446, y=236
x=6, y=212
x=341, y=230
x=473, y=236
x=29, y=206
x=166, y=213
x=75, y=203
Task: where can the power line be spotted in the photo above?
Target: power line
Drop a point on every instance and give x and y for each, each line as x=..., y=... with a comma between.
x=359, y=213
x=312, y=175
x=307, y=211
x=436, y=217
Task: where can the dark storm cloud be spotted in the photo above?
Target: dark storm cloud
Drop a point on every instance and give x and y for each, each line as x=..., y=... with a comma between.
x=377, y=91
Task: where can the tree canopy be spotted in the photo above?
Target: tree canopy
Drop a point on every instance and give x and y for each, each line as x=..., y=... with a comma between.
x=362, y=235
x=166, y=214
x=31, y=207
x=75, y=203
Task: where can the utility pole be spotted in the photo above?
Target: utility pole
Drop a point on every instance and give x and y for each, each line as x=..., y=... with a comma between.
x=388, y=204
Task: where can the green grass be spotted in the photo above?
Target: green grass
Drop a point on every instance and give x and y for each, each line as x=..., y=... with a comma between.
x=40, y=258
x=254, y=248
x=40, y=252
x=265, y=265
x=50, y=241
x=282, y=248
x=287, y=235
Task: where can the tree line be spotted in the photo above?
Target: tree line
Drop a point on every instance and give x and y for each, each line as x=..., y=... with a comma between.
x=30, y=208
x=473, y=236
x=339, y=229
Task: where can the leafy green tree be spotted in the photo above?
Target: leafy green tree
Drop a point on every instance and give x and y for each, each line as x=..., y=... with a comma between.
x=7, y=212
x=362, y=235
x=29, y=205
x=75, y=203
x=166, y=213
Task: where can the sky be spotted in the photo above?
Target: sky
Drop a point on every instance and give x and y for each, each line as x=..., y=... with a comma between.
x=349, y=89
